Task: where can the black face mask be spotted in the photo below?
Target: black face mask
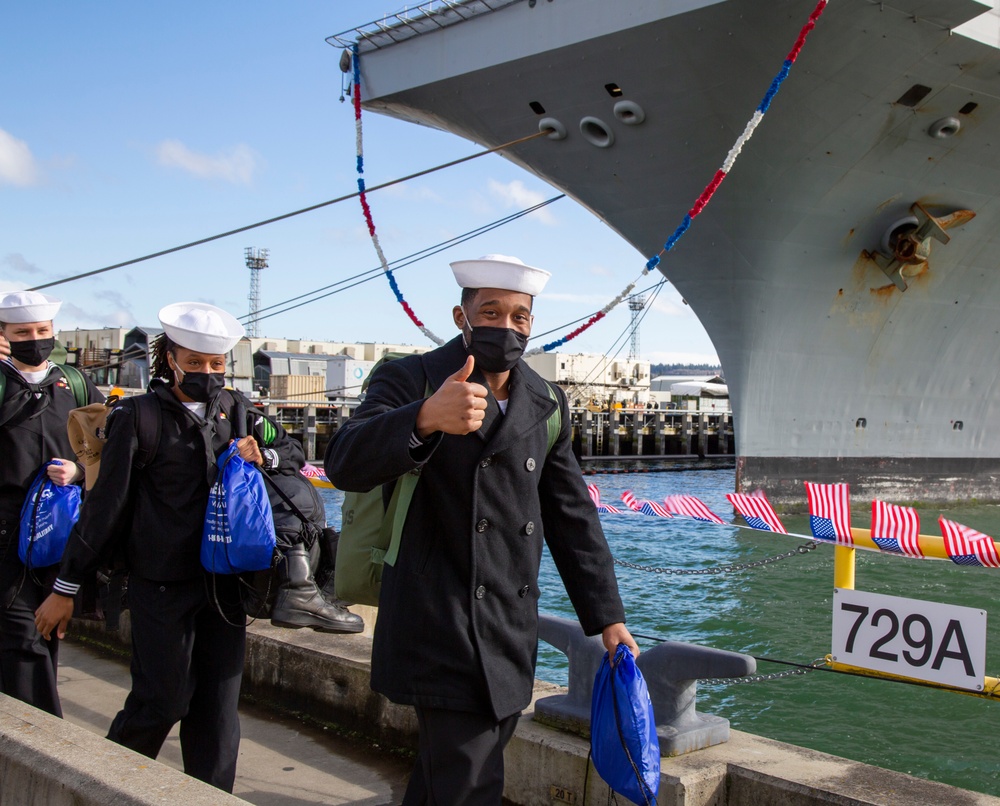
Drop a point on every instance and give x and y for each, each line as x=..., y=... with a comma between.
x=202, y=387
x=496, y=349
x=33, y=352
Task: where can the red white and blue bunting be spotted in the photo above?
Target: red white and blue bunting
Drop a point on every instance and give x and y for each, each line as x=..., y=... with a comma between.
x=700, y=203
x=363, y=196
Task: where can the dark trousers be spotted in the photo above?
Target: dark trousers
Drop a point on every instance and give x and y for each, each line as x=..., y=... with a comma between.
x=27, y=661
x=187, y=666
x=460, y=759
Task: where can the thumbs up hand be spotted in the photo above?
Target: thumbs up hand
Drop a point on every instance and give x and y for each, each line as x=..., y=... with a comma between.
x=457, y=407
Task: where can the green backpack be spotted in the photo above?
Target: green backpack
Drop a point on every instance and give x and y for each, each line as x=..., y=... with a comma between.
x=370, y=532
x=73, y=377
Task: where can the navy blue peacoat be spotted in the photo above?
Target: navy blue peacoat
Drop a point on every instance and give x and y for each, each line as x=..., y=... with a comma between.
x=458, y=617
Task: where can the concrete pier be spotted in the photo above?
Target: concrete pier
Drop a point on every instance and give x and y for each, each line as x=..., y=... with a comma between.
x=326, y=677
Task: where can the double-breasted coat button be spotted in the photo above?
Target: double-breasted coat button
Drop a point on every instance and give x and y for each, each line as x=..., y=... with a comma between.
x=480, y=592
x=486, y=462
x=523, y=592
x=529, y=527
x=482, y=526
x=530, y=464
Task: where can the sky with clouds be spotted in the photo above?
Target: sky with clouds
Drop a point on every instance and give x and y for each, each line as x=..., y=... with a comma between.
x=129, y=128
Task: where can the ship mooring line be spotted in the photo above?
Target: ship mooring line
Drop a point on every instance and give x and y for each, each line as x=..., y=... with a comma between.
x=627, y=331
x=816, y=667
x=401, y=263
x=292, y=214
x=588, y=315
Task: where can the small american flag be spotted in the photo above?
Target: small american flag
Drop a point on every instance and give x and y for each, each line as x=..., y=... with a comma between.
x=595, y=496
x=313, y=472
x=630, y=501
x=690, y=507
x=652, y=508
x=830, y=512
x=966, y=546
x=895, y=528
x=757, y=512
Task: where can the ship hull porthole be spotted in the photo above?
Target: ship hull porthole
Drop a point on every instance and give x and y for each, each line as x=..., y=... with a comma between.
x=945, y=127
x=555, y=129
x=596, y=132
x=629, y=113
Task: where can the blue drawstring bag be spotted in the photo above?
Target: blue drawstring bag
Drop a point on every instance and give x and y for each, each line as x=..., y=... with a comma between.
x=239, y=529
x=47, y=517
x=623, y=743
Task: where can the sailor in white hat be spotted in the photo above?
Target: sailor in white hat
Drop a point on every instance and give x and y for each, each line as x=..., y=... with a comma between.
x=493, y=447
x=191, y=353
x=495, y=313
x=35, y=312
x=188, y=633
x=36, y=397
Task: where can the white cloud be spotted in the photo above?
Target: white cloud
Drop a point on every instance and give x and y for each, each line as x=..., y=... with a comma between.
x=671, y=308
x=237, y=165
x=515, y=195
x=595, y=300
x=17, y=165
x=17, y=263
x=104, y=309
x=118, y=309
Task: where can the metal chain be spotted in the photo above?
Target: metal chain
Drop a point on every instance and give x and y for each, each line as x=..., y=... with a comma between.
x=719, y=569
x=752, y=678
x=763, y=678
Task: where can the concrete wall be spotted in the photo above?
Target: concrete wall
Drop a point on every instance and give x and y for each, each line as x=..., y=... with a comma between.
x=326, y=677
x=46, y=761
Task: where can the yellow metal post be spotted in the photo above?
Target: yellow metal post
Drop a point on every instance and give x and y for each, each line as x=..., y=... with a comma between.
x=843, y=567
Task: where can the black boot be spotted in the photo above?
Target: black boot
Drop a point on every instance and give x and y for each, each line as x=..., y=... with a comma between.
x=299, y=602
x=328, y=540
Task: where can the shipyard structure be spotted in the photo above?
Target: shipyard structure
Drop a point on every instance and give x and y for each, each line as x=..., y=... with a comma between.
x=312, y=387
x=846, y=270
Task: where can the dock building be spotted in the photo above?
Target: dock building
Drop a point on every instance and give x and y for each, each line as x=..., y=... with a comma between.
x=591, y=379
x=311, y=387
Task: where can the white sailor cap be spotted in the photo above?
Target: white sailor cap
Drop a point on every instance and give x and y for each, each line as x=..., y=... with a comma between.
x=500, y=271
x=28, y=306
x=201, y=327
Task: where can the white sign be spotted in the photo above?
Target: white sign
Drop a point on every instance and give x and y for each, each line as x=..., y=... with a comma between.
x=923, y=640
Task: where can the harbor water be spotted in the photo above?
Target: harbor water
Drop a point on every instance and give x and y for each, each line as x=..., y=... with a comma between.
x=783, y=611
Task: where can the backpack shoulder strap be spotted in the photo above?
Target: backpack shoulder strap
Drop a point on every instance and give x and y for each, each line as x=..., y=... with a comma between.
x=554, y=423
x=235, y=409
x=148, y=424
x=399, y=504
x=76, y=382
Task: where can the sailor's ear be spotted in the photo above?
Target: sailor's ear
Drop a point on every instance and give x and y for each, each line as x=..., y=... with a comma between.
x=459, y=316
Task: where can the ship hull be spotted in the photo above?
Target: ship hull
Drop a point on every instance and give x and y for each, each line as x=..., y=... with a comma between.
x=834, y=372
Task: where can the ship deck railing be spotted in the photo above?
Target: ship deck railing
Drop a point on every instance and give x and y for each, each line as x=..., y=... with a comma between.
x=424, y=18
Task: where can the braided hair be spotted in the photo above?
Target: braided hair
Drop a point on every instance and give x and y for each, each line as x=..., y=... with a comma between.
x=158, y=365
